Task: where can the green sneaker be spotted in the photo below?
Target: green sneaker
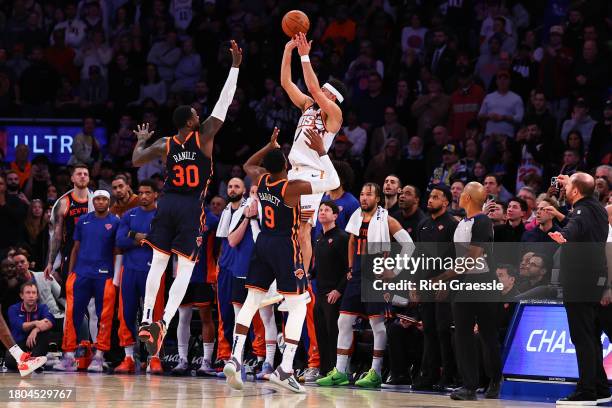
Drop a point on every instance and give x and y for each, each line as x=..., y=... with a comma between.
x=334, y=377
x=371, y=380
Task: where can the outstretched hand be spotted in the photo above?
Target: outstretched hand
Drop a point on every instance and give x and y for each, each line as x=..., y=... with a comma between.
x=274, y=139
x=291, y=44
x=236, y=54
x=142, y=132
x=315, y=141
x=303, y=45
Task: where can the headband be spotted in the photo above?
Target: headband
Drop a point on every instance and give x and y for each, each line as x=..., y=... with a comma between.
x=334, y=91
x=101, y=193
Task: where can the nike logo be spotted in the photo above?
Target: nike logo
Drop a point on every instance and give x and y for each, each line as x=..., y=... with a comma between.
x=86, y=222
x=132, y=215
x=292, y=383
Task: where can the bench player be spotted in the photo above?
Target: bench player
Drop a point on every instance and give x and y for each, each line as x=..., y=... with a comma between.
x=177, y=225
x=277, y=253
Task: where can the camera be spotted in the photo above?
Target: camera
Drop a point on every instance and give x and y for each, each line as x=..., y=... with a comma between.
x=554, y=182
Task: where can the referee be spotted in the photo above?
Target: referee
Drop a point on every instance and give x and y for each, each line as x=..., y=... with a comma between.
x=331, y=260
x=583, y=274
x=472, y=238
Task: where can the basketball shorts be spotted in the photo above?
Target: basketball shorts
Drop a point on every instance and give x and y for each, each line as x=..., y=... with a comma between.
x=352, y=304
x=198, y=294
x=276, y=257
x=309, y=203
x=176, y=225
x=239, y=291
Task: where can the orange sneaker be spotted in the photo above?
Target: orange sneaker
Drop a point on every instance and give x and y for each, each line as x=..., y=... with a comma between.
x=155, y=366
x=127, y=366
x=29, y=364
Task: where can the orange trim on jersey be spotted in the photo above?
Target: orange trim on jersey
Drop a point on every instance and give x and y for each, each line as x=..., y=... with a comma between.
x=297, y=292
x=179, y=253
x=274, y=182
x=186, y=139
x=168, y=146
x=77, y=200
x=196, y=304
x=145, y=241
x=69, y=342
x=261, y=177
x=240, y=304
x=197, y=139
x=256, y=288
x=105, y=324
x=283, y=190
x=353, y=313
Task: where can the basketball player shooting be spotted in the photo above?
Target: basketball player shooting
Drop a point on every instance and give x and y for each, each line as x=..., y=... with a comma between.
x=321, y=112
x=179, y=219
x=276, y=253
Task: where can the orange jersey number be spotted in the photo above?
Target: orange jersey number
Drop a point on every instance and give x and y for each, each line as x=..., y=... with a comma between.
x=269, y=217
x=188, y=175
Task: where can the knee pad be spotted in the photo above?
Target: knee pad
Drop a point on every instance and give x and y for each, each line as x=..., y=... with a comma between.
x=345, y=331
x=379, y=332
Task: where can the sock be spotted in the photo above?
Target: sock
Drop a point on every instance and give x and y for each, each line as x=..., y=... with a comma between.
x=342, y=363
x=288, y=355
x=238, y=347
x=69, y=354
x=208, y=349
x=178, y=288
x=270, y=352
x=183, y=331
x=377, y=364
x=99, y=354
x=16, y=352
x=158, y=266
x=129, y=351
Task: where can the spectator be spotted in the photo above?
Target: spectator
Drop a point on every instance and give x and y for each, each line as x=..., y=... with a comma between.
x=94, y=90
x=581, y=121
x=412, y=168
x=94, y=52
x=359, y=70
x=341, y=30
x=453, y=209
x=602, y=188
x=592, y=75
x=524, y=72
x=123, y=82
x=449, y=169
x=33, y=35
x=85, y=147
x=61, y=57
x=13, y=210
x=545, y=218
x=67, y=99
x=74, y=28
x=39, y=180
x=384, y=163
x=413, y=35
x=38, y=84
x=22, y=166
x=35, y=233
x=513, y=229
x=153, y=87
x=507, y=275
x=165, y=55
x=468, y=162
x=572, y=162
x=391, y=129
x=465, y=100
x=501, y=110
x=488, y=64
x=370, y=107
x=188, y=69
x=532, y=153
x=356, y=134
x=121, y=24
x=494, y=188
x=440, y=59
x=409, y=213
x=539, y=114
x=403, y=102
x=30, y=323
x=431, y=110
x=434, y=153
x=277, y=112
x=529, y=196
x=535, y=274
x=125, y=199
x=496, y=211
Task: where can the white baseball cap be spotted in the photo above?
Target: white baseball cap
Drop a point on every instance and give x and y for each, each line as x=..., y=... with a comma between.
x=101, y=193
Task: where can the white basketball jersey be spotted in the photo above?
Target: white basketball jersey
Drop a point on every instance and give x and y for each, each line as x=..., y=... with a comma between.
x=301, y=155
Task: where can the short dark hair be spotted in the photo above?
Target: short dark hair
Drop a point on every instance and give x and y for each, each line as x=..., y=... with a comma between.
x=510, y=269
x=274, y=161
x=496, y=177
x=149, y=183
x=25, y=285
x=332, y=205
x=121, y=177
x=78, y=166
x=417, y=191
x=399, y=180
x=521, y=202
x=181, y=115
x=340, y=87
x=375, y=187
x=502, y=203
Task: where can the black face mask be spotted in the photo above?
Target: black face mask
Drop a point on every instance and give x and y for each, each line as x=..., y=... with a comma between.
x=235, y=198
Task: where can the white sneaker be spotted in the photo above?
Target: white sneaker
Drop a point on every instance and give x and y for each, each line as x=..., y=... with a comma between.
x=182, y=368
x=66, y=364
x=96, y=365
x=233, y=374
x=286, y=380
x=27, y=365
x=310, y=375
x=206, y=369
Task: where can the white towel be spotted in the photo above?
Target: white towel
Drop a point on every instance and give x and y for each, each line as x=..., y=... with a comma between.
x=223, y=229
x=379, y=239
x=229, y=221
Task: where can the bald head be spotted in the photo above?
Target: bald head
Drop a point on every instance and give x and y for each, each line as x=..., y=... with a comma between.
x=580, y=185
x=473, y=196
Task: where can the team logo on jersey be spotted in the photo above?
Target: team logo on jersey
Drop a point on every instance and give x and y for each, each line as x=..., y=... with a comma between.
x=299, y=273
x=340, y=208
x=199, y=241
x=205, y=228
x=329, y=241
x=108, y=226
x=440, y=227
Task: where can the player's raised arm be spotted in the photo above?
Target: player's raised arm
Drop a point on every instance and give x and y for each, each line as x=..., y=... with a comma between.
x=333, y=122
x=141, y=154
x=252, y=167
x=299, y=99
x=329, y=181
x=55, y=239
x=210, y=127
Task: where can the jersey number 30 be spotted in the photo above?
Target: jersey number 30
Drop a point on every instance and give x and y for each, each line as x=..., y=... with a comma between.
x=186, y=175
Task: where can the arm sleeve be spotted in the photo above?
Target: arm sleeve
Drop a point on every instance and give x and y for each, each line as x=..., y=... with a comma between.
x=330, y=180
x=403, y=238
x=226, y=96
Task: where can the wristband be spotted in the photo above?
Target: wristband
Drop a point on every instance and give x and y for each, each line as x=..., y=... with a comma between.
x=305, y=58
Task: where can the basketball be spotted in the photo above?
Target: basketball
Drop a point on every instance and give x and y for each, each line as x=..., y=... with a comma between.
x=295, y=21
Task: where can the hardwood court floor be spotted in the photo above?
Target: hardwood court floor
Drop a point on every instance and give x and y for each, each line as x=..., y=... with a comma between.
x=124, y=391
